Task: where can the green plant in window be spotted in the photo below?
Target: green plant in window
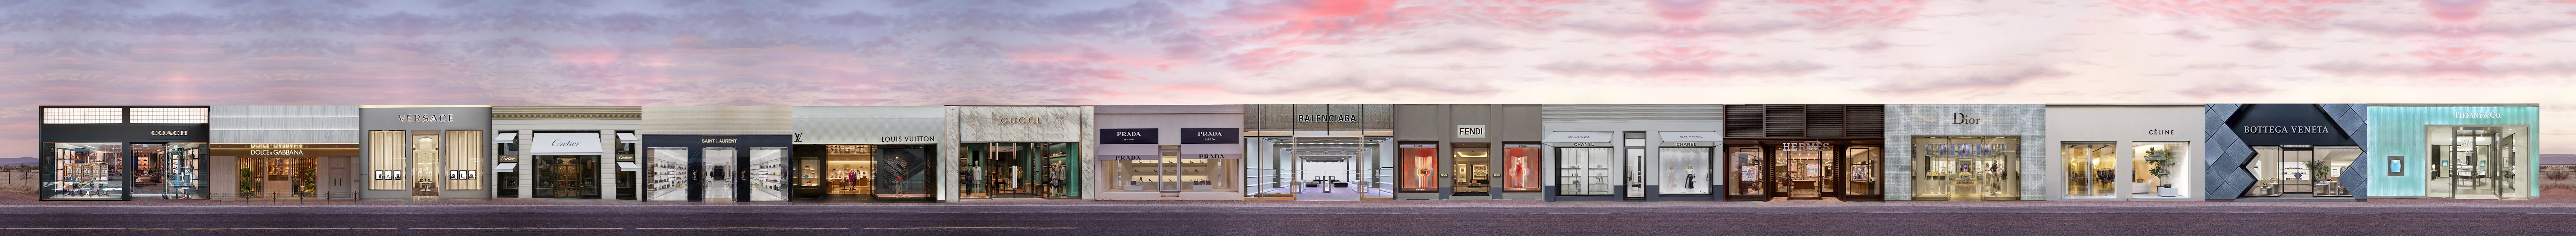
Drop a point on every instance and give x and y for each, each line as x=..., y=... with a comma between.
x=2317, y=169
x=2163, y=161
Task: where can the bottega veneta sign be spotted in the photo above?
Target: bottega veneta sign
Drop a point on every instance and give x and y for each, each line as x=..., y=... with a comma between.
x=2283, y=129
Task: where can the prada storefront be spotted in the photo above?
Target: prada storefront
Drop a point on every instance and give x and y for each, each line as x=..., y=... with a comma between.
x=1966, y=152
x=1632, y=152
x=865, y=153
x=1468, y=152
x=425, y=152
x=1803, y=152
x=1319, y=152
x=1172, y=152
x=285, y=152
x=2285, y=151
x=122, y=152
x=717, y=154
x=571, y=152
x=1017, y=151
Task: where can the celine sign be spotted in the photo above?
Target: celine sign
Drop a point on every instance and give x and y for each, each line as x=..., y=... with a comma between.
x=2160, y=132
x=2283, y=129
x=1961, y=118
x=1328, y=118
x=170, y=132
x=1471, y=131
x=441, y=118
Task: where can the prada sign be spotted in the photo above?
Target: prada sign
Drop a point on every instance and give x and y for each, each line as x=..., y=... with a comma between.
x=1130, y=136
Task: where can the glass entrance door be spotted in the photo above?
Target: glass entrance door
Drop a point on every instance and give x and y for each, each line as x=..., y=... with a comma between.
x=2473, y=162
x=1805, y=171
x=2090, y=169
x=720, y=174
x=1967, y=168
x=567, y=176
x=278, y=177
x=1471, y=170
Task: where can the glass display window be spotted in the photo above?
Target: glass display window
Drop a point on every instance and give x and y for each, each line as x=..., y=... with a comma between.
x=86, y=171
x=464, y=164
x=2157, y=170
x=670, y=174
x=387, y=160
x=1421, y=167
x=2091, y=169
x=1967, y=168
x=1520, y=172
x=2474, y=162
x=899, y=171
x=2299, y=170
x=1805, y=170
x=1748, y=168
x=1685, y=170
x=1171, y=173
x=1584, y=170
x=767, y=173
x=1863, y=170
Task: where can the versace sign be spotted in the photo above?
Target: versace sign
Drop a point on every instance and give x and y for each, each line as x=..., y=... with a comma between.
x=443, y=118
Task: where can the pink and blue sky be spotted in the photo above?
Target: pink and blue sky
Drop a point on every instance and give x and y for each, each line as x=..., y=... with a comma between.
x=1110, y=52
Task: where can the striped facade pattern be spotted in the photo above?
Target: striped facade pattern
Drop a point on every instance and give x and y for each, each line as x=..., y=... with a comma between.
x=283, y=124
x=2029, y=121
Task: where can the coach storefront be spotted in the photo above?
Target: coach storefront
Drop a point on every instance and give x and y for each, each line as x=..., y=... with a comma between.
x=2286, y=151
x=122, y=152
x=2124, y=151
x=1632, y=152
x=1776, y=152
x=567, y=152
x=2452, y=151
x=426, y=152
x=1016, y=152
x=1319, y=152
x=284, y=152
x=1174, y=152
x=1966, y=152
x=1468, y=152
x=717, y=153
x=865, y=153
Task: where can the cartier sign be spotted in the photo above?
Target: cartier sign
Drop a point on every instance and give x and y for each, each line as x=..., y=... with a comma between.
x=442, y=118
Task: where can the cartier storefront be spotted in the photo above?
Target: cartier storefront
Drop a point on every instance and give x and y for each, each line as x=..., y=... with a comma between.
x=567, y=152
x=122, y=152
x=865, y=153
x=1468, y=152
x=425, y=152
x=1319, y=152
x=717, y=153
x=1632, y=152
x=285, y=152
x=1966, y=152
x=1778, y=152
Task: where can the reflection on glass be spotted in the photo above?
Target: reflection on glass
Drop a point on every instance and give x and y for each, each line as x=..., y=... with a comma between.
x=1967, y=168
x=900, y=171
x=86, y=171
x=1748, y=170
x=1520, y=169
x=1420, y=169
x=2089, y=169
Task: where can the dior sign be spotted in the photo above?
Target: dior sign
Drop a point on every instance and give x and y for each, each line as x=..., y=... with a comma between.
x=1961, y=118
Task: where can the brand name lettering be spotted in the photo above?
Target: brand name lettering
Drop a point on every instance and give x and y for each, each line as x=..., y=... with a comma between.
x=1794, y=147
x=2160, y=132
x=1966, y=148
x=1127, y=134
x=565, y=143
x=1328, y=118
x=170, y=132
x=1471, y=131
x=276, y=152
x=904, y=139
x=1018, y=120
x=2283, y=129
x=1210, y=133
x=428, y=118
x=719, y=140
x=2488, y=114
x=1962, y=118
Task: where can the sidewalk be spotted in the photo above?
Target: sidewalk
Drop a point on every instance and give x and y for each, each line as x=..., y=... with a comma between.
x=2552, y=198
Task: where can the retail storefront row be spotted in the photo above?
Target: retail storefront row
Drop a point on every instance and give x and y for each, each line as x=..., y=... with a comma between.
x=2125, y=152
x=1632, y=152
x=1175, y=152
x=426, y=152
x=1016, y=152
x=1468, y=152
x=567, y=152
x=1776, y=152
x=2285, y=151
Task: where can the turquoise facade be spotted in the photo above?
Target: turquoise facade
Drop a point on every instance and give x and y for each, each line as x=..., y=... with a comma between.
x=2399, y=131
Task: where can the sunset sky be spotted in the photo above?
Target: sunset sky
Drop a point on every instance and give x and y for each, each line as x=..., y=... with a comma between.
x=1105, y=52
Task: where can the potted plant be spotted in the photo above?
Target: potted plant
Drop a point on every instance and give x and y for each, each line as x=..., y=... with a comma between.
x=2162, y=159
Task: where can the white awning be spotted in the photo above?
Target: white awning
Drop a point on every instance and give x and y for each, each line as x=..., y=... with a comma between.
x=627, y=138
x=505, y=167
x=1692, y=136
x=505, y=138
x=1580, y=137
x=628, y=166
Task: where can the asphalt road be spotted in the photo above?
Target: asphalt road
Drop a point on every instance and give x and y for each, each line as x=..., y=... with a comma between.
x=1181, y=220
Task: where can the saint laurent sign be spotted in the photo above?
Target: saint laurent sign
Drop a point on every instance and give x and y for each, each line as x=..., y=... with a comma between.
x=442, y=118
x=719, y=140
x=1328, y=118
x=2283, y=129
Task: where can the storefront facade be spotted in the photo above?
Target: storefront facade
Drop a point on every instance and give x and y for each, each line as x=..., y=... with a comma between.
x=2452, y=151
x=1174, y=152
x=2285, y=151
x=1966, y=152
x=122, y=152
x=1468, y=152
x=567, y=152
x=426, y=152
x=1803, y=152
x=2124, y=152
x=284, y=152
x=866, y=153
x=1319, y=152
x=717, y=153
x=1632, y=152
x=1017, y=152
